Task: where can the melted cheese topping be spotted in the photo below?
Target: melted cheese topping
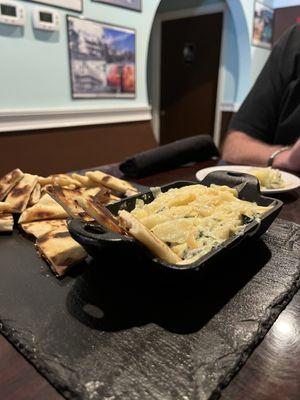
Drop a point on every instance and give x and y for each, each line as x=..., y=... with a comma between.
x=269, y=178
x=193, y=219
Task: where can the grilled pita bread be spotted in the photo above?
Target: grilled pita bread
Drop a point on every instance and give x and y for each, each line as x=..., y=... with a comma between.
x=111, y=182
x=66, y=180
x=6, y=222
x=8, y=181
x=46, y=208
x=139, y=231
x=35, y=195
x=5, y=207
x=66, y=198
x=40, y=228
x=104, y=196
x=100, y=214
x=60, y=251
x=85, y=180
x=19, y=196
x=58, y=179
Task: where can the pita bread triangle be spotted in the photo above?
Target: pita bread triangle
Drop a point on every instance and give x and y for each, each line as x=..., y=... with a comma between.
x=40, y=228
x=8, y=181
x=19, y=195
x=45, y=208
x=60, y=250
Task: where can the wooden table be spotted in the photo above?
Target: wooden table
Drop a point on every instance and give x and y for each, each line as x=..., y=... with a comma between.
x=272, y=372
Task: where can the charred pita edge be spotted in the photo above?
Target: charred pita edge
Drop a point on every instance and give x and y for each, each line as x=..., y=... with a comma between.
x=100, y=214
x=19, y=196
x=6, y=222
x=139, y=231
x=111, y=182
x=60, y=251
x=8, y=181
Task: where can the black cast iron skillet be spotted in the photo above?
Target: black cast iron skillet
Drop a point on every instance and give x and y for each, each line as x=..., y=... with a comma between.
x=97, y=240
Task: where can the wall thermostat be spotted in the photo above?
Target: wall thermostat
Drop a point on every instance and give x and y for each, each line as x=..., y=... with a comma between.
x=46, y=19
x=12, y=13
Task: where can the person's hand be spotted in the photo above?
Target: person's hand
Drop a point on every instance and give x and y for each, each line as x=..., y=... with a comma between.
x=289, y=159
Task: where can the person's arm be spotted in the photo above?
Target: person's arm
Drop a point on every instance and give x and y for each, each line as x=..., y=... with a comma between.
x=240, y=148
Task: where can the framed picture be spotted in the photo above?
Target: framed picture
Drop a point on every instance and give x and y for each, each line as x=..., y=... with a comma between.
x=262, y=26
x=102, y=59
x=74, y=5
x=135, y=5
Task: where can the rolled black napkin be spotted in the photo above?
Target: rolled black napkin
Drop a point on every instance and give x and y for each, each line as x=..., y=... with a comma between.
x=169, y=156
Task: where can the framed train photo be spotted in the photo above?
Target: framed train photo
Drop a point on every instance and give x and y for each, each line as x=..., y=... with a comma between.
x=102, y=59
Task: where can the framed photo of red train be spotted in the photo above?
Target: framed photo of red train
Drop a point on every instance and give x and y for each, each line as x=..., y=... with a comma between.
x=102, y=59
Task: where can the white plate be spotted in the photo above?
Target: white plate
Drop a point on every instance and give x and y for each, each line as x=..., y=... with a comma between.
x=291, y=181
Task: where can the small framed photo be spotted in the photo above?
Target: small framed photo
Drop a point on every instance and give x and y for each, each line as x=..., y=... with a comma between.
x=102, y=59
x=135, y=5
x=262, y=25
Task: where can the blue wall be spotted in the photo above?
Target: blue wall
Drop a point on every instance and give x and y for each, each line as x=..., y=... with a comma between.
x=34, y=68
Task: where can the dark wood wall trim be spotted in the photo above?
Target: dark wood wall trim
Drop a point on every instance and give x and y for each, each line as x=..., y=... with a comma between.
x=63, y=149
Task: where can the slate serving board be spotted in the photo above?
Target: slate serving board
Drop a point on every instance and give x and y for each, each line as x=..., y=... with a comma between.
x=112, y=332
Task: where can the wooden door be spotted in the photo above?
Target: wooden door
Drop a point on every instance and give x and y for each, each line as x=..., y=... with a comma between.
x=190, y=54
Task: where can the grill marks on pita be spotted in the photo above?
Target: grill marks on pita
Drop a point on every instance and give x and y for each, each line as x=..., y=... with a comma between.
x=111, y=182
x=59, y=250
x=66, y=199
x=19, y=196
x=46, y=208
x=45, y=203
x=8, y=181
x=40, y=228
x=100, y=214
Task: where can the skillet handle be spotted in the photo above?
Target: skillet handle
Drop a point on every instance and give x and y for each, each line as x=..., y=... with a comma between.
x=93, y=232
x=247, y=185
